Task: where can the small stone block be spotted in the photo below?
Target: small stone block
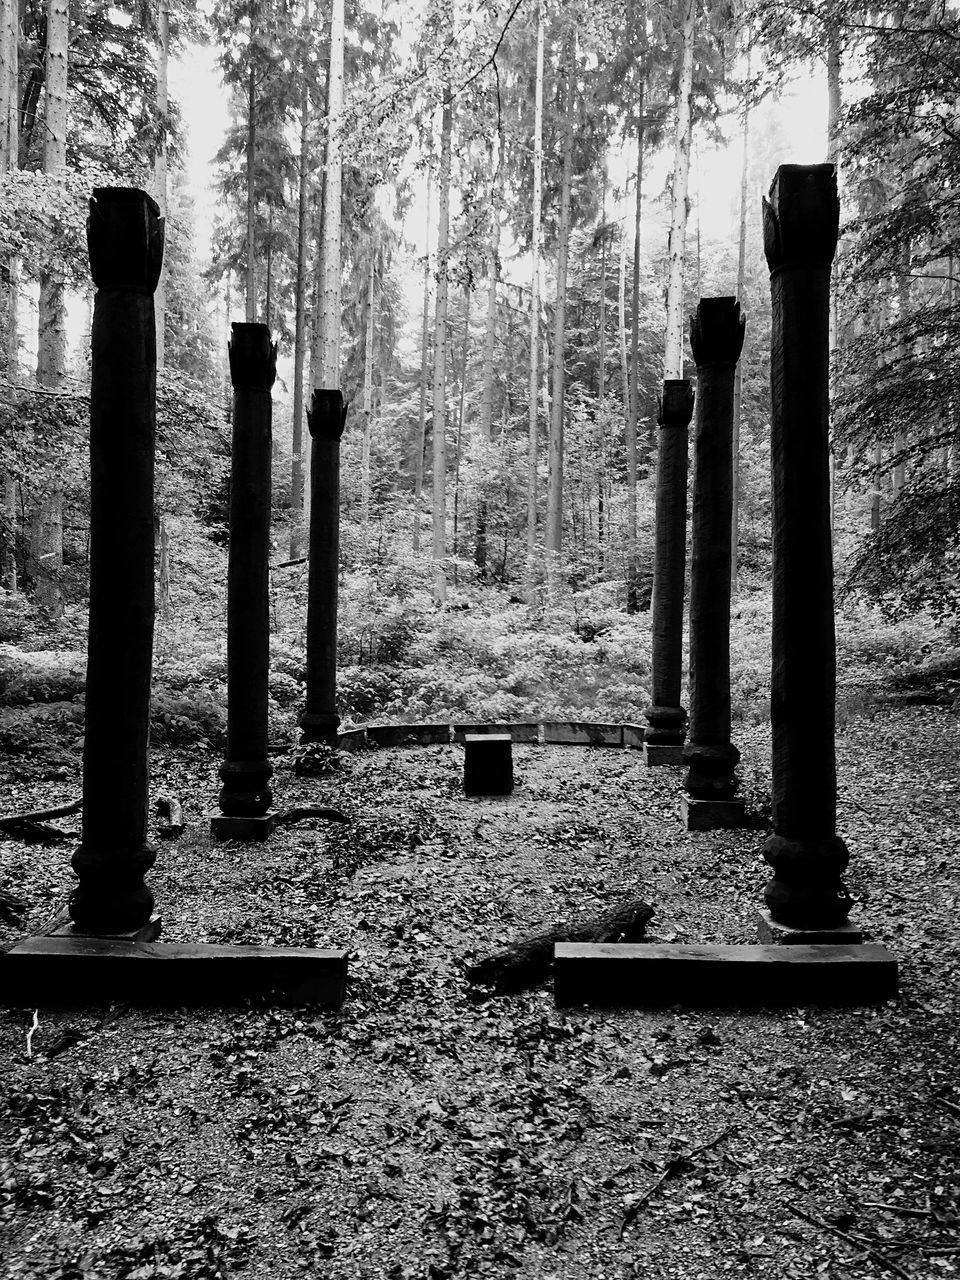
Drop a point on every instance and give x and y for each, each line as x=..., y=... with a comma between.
x=708, y=815
x=657, y=753
x=488, y=764
x=772, y=931
x=352, y=740
x=230, y=827
x=641, y=975
x=633, y=736
x=518, y=732
x=582, y=733
x=403, y=735
x=85, y=970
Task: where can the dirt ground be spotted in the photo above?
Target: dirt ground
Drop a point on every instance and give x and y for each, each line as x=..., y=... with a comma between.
x=423, y=1133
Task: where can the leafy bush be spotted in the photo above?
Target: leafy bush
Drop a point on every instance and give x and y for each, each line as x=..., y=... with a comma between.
x=45, y=676
x=179, y=720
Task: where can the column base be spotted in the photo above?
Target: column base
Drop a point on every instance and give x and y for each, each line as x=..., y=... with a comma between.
x=318, y=726
x=657, y=753
x=488, y=764
x=61, y=926
x=227, y=827
x=708, y=815
x=772, y=931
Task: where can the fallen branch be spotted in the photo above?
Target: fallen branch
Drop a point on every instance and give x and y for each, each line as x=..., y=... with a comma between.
x=528, y=961
x=302, y=812
x=170, y=811
x=879, y=1258
x=40, y=815
x=678, y=1165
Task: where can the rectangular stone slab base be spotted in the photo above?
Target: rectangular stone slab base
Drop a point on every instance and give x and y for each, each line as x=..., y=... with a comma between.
x=61, y=926
x=708, y=815
x=643, y=975
x=85, y=970
x=771, y=931
x=223, y=827
x=655, y=753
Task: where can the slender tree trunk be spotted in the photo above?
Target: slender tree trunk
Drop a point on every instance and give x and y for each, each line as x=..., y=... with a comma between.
x=368, y=391
x=439, y=549
x=8, y=570
x=738, y=372
x=602, y=370
x=622, y=331
x=899, y=473
x=424, y=376
x=251, y=277
x=634, y=401
x=673, y=354
x=554, y=531
x=160, y=167
x=9, y=345
x=329, y=344
x=486, y=395
x=300, y=319
x=533, y=421
x=460, y=415
x=834, y=107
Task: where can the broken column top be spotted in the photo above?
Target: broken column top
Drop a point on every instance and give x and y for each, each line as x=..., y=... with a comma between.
x=716, y=331
x=124, y=239
x=253, y=357
x=676, y=403
x=327, y=413
x=801, y=219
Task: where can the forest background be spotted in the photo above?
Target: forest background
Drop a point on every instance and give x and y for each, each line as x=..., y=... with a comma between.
x=487, y=224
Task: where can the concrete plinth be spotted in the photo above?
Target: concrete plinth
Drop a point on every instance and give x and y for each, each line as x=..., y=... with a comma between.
x=655, y=753
x=708, y=815
x=772, y=931
x=224, y=827
x=488, y=764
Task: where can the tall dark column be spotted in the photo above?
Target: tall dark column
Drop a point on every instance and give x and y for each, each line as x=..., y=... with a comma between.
x=245, y=795
x=716, y=338
x=325, y=419
x=125, y=241
x=800, y=224
x=666, y=718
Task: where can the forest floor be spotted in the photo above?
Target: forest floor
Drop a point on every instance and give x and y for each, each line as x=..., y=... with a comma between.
x=421, y=1133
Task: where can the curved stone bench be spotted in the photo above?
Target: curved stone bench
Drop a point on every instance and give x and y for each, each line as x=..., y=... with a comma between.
x=580, y=733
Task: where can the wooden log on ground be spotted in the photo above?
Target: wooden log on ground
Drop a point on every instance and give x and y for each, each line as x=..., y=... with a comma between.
x=528, y=962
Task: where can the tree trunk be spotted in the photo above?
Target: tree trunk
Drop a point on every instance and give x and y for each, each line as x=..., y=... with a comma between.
x=424, y=374
x=300, y=321
x=834, y=107
x=160, y=166
x=554, y=530
x=602, y=369
x=330, y=324
x=738, y=373
x=899, y=474
x=251, y=286
x=633, y=411
x=10, y=341
x=486, y=395
x=533, y=421
x=439, y=426
x=673, y=353
x=368, y=391
x=460, y=415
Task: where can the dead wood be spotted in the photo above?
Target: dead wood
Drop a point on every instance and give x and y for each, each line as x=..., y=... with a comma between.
x=11, y=821
x=170, y=812
x=299, y=814
x=527, y=962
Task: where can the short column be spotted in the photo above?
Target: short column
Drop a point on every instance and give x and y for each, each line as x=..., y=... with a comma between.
x=125, y=241
x=666, y=718
x=319, y=722
x=716, y=338
x=488, y=764
x=245, y=796
x=806, y=893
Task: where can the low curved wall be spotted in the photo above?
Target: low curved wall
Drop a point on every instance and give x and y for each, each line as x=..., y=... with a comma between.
x=581, y=733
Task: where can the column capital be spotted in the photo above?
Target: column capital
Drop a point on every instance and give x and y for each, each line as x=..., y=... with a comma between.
x=327, y=414
x=801, y=219
x=124, y=239
x=716, y=331
x=675, y=404
x=253, y=357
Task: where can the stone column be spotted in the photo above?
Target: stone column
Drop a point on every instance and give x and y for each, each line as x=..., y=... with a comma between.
x=319, y=722
x=125, y=241
x=800, y=224
x=716, y=339
x=245, y=796
x=663, y=739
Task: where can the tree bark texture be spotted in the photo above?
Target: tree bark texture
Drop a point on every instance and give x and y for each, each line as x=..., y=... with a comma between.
x=424, y=376
x=325, y=420
x=300, y=319
x=533, y=420
x=125, y=237
x=52, y=340
x=633, y=407
x=250, y=304
x=800, y=235
x=666, y=717
x=738, y=375
x=673, y=352
x=439, y=417
x=331, y=319
x=486, y=394
x=160, y=165
x=246, y=770
x=716, y=338
x=368, y=387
